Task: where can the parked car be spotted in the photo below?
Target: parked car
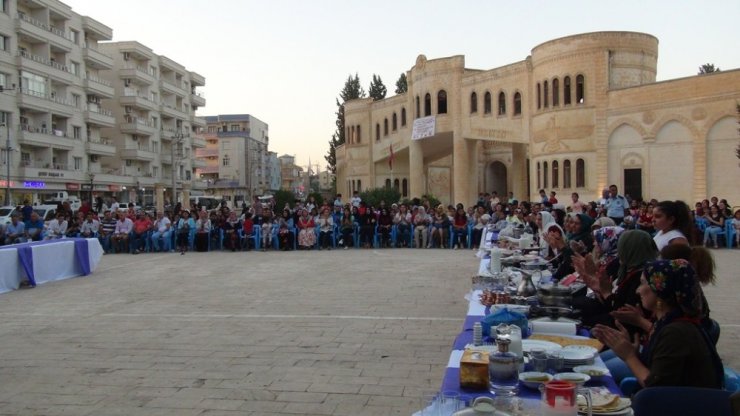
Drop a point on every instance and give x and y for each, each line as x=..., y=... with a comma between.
x=46, y=212
x=5, y=213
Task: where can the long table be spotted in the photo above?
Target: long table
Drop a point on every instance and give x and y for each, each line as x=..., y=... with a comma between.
x=46, y=261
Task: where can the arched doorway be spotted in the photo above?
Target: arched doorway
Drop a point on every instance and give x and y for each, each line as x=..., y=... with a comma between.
x=496, y=179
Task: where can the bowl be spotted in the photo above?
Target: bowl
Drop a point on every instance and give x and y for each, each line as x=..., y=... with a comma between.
x=533, y=379
x=577, y=378
x=593, y=371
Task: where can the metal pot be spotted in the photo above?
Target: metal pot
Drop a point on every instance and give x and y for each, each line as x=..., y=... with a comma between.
x=555, y=295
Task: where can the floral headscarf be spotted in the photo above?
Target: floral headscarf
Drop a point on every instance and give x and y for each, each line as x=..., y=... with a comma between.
x=607, y=238
x=675, y=281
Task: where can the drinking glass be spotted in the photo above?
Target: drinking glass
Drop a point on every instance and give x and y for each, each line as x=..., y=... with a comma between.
x=430, y=404
x=450, y=402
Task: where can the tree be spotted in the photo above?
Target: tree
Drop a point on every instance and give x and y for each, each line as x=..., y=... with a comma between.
x=402, y=85
x=377, y=89
x=281, y=198
x=708, y=69
x=372, y=197
x=352, y=90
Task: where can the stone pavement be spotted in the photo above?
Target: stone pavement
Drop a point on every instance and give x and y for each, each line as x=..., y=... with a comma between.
x=357, y=332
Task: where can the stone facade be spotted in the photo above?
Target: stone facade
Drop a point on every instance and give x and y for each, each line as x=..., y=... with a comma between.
x=578, y=114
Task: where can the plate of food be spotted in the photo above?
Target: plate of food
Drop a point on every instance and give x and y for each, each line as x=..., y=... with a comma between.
x=533, y=379
x=604, y=403
x=528, y=344
x=593, y=371
x=577, y=378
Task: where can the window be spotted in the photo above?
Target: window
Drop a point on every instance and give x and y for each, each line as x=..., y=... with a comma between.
x=359, y=185
x=387, y=184
x=473, y=103
x=405, y=187
x=403, y=116
x=234, y=127
x=359, y=135
x=351, y=134
x=4, y=43
x=566, y=174
x=396, y=184
x=539, y=99
x=501, y=103
x=78, y=163
x=580, y=173
x=555, y=92
x=74, y=36
x=442, y=102
x=555, y=171
x=4, y=6
x=487, y=103
x=377, y=131
x=77, y=132
x=566, y=91
x=4, y=79
x=155, y=171
x=394, y=122
x=418, y=113
x=33, y=83
x=544, y=174
x=580, y=94
x=76, y=100
x=212, y=129
x=427, y=105
x=225, y=161
x=385, y=127
x=75, y=68
x=539, y=175
x=517, y=104
x=154, y=122
x=545, y=94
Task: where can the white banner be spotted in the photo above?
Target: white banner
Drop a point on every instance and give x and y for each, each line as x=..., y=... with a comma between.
x=423, y=127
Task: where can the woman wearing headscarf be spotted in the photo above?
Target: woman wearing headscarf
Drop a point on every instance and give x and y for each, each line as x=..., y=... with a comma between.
x=543, y=220
x=579, y=241
x=678, y=351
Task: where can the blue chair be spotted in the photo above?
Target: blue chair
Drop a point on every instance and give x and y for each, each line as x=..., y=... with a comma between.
x=730, y=232
x=255, y=237
x=681, y=401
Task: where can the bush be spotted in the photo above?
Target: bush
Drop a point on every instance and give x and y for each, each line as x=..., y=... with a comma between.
x=433, y=201
x=317, y=197
x=372, y=197
x=281, y=198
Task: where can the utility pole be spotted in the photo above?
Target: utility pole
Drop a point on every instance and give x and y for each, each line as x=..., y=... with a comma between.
x=177, y=140
x=7, y=149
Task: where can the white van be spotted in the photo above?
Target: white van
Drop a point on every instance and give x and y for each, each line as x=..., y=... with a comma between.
x=54, y=198
x=210, y=202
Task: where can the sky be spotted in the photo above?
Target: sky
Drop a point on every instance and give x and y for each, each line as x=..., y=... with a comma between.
x=285, y=61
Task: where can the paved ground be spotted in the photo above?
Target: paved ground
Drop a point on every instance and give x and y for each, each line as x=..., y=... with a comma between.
x=331, y=333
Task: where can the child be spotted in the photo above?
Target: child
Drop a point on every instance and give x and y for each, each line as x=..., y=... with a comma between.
x=266, y=232
x=736, y=225
x=248, y=229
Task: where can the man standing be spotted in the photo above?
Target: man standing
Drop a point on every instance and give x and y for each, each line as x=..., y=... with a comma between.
x=114, y=206
x=616, y=205
x=356, y=200
x=26, y=210
x=576, y=206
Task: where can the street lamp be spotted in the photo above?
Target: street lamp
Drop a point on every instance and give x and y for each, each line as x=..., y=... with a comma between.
x=177, y=140
x=7, y=149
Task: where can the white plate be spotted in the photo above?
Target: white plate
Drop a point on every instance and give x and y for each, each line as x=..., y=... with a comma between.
x=573, y=355
x=622, y=409
x=528, y=344
x=512, y=307
x=585, y=348
x=577, y=378
x=533, y=384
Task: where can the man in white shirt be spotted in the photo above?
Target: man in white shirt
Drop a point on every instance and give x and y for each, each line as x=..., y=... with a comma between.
x=57, y=227
x=124, y=226
x=576, y=206
x=89, y=228
x=162, y=230
x=114, y=206
x=356, y=199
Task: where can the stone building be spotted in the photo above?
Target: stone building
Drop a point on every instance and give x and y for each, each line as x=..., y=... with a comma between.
x=580, y=113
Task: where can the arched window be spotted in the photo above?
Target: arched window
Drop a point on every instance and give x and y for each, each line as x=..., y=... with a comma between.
x=347, y=135
x=427, y=105
x=394, y=122
x=385, y=127
x=377, y=132
x=501, y=103
x=473, y=103
x=418, y=112
x=580, y=93
x=539, y=176
x=387, y=184
x=580, y=173
x=352, y=188
x=403, y=116
x=517, y=104
x=555, y=171
x=487, y=103
x=359, y=185
x=566, y=174
x=539, y=98
x=545, y=95
x=405, y=187
x=555, y=92
x=566, y=91
x=396, y=184
x=442, y=102
x=352, y=135
x=359, y=136
x=545, y=173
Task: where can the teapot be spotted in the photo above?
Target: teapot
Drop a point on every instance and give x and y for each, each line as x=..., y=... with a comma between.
x=482, y=406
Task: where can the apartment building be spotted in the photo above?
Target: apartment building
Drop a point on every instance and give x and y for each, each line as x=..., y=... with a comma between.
x=156, y=129
x=235, y=163
x=291, y=176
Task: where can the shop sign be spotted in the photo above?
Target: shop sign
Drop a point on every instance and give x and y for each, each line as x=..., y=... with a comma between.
x=51, y=174
x=4, y=184
x=73, y=187
x=34, y=184
x=114, y=188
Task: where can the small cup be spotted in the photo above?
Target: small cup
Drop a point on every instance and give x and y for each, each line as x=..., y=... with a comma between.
x=430, y=404
x=557, y=362
x=539, y=363
x=450, y=402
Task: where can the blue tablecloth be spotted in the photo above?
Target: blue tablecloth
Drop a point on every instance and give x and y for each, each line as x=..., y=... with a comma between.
x=45, y=261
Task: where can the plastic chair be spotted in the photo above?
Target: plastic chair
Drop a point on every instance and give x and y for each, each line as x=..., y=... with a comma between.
x=243, y=239
x=681, y=401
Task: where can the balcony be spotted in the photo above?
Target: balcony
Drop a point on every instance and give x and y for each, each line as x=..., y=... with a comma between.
x=99, y=116
x=198, y=141
x=99, y=87
x=172, y=87
x=207, y=170
x=135, y=125
x=138, y=153
x=96, y=59
x=42, y=65
x=165, y=158
x=198, y=121
x=43, y=170
x=206, y=153
x=197, y=79
x=31, y=27
x=99, y=30
x=138, y=102
x=197, y=99
x=199, y=163
x=172, y=111
x=100, y=147
x=135, y=72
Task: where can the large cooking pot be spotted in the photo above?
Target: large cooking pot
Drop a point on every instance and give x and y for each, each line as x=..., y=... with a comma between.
x=555, y=295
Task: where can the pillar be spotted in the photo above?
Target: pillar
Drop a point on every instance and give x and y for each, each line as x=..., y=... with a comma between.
x=519, y=172
x=159, y=198
x=473, y=173
x=186, y=196
x=417, y=177
x=460, y=171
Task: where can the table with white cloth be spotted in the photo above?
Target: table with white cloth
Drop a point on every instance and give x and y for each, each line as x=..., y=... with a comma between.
x=46, y=261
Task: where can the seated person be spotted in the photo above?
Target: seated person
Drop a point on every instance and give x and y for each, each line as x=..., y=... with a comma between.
x=142, y=225
x=34, y=228
x=106, y=230
x=248, y=231
x=90, y=227
x=231, y=229
x=162, y=229
x=678, y=351
x=15, y=230
x=74, y=224
x=57, y=228
x=124, y=226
